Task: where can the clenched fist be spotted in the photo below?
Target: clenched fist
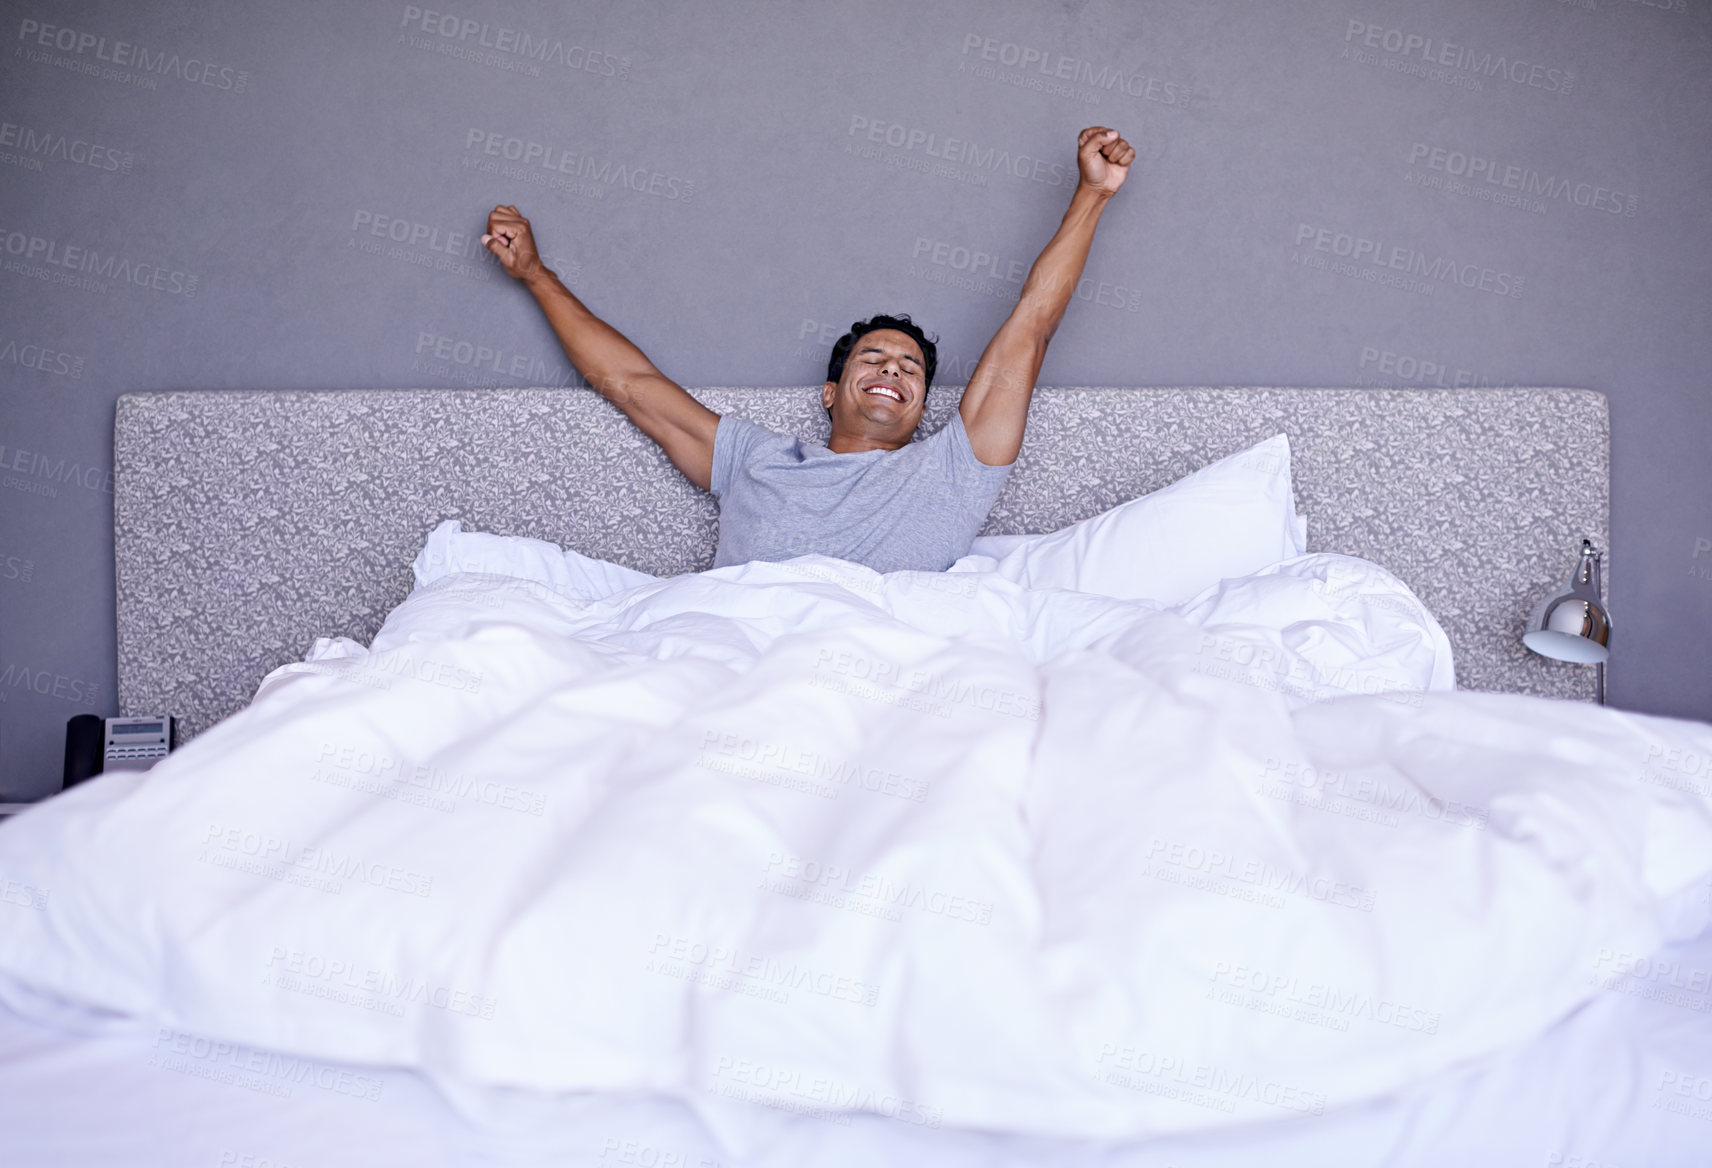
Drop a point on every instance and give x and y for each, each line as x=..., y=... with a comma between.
x=509, y=238
x=1104, y=159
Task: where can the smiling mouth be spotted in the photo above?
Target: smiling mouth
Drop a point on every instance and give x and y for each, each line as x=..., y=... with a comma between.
x=885, y=391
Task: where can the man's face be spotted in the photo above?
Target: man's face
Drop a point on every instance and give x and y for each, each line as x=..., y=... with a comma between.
x=883, y=387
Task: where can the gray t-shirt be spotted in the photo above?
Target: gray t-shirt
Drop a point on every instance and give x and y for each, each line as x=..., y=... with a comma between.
x=917, y=508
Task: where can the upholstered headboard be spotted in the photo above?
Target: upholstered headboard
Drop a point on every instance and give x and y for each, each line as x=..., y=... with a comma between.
x=248, y=524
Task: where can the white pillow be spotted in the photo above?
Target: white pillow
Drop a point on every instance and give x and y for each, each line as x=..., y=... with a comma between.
x=1229, y=519
x=570, y=573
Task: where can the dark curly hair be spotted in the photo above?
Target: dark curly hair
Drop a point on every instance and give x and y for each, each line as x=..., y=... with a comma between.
x=903, y=324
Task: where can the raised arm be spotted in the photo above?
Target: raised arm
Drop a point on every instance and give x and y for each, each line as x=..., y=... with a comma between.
x=620, y=371
x=995, y=405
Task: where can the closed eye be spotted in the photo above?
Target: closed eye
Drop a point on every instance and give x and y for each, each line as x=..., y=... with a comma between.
x=875, y=357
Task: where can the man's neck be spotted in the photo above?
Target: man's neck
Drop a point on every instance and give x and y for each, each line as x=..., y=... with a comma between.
x=844, y=443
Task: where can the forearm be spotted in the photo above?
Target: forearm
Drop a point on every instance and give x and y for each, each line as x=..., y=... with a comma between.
x=623, y=375
x=606, y=358
x=995, y=402
x=1053, y=279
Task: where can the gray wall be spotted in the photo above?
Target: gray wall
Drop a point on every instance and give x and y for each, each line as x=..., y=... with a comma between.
x=1327, y=192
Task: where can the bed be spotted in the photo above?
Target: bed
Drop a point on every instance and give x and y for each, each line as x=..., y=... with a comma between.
x=502, y=832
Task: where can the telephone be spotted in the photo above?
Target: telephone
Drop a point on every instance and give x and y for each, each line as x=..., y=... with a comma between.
x=136, y=744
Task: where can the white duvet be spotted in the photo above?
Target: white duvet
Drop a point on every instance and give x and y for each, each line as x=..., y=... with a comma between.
x=931, y=845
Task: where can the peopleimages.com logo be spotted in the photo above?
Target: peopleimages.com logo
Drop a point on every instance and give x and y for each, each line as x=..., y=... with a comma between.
x=1360, y=249
x=1524, y=181
x=37, y=144
x=26, y=253
x=1058, y=72
x=124, y=55
x=561, y=161
x=452, y=29
x=1405, y=46
x=962, y=151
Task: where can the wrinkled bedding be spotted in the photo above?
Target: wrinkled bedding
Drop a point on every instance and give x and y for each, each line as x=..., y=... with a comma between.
x=938, y=847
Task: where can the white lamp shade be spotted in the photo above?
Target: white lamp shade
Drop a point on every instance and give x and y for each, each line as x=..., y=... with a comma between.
x=1566, y=647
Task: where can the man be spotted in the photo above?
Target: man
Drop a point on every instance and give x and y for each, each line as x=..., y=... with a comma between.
x=870, y=494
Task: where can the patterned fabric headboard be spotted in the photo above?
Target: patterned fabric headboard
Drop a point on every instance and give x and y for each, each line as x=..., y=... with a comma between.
x=247, y=524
